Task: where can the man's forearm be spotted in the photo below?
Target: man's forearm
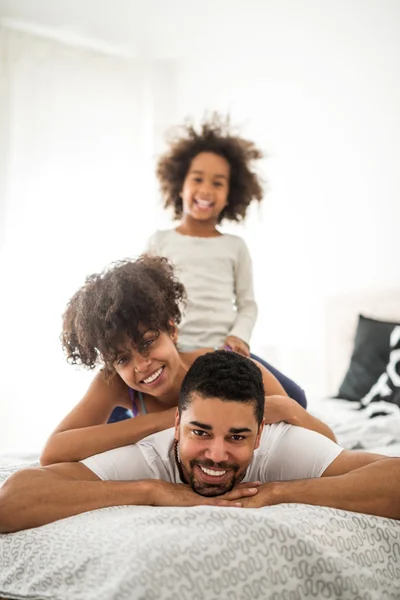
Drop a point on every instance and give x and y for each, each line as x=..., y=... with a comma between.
x=34, y=497
x=373, y=489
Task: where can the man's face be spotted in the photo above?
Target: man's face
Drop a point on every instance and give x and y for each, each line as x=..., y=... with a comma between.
x=216, y=443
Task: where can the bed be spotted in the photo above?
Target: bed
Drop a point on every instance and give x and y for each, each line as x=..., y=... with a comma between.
x=291, y=551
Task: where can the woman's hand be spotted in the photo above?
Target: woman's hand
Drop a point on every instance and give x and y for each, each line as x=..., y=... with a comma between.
x=237, y=345
x=281, y=408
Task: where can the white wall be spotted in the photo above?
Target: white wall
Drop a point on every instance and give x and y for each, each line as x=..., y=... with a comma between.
x=319, y=90
x=315, y=84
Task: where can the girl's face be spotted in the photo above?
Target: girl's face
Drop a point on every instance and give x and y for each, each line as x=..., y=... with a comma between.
x=152, y=370
x=206, y=187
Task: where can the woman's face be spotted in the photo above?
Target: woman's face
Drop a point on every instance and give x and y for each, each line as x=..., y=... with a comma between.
x=152, y=370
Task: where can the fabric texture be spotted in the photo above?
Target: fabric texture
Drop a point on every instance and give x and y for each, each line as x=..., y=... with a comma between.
x=278, y=458
x=289, y=551
x=369, y=358
x=218, y=277
x=386, y=390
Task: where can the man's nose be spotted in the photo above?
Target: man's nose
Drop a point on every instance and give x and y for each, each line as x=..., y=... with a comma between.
x=217, y=451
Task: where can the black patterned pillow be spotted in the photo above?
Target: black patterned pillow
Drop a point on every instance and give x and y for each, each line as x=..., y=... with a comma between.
x=387, y=387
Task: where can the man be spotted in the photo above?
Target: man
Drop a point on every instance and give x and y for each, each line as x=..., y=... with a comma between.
x=220, y=453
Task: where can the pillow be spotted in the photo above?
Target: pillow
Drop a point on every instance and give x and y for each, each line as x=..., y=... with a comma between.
x=387, y=387
x=369, y=359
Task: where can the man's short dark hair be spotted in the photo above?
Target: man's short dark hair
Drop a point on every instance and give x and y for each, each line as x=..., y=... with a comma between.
x=227, y=376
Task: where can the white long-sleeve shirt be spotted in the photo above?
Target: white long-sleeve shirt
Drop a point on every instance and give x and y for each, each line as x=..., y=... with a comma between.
x=217, y=275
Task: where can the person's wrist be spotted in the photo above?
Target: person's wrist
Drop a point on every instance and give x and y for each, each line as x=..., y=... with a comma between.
x=276, y=493
x=148, y=489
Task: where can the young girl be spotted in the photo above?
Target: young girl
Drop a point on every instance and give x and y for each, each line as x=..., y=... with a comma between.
x=125, y=319
x=206, y=177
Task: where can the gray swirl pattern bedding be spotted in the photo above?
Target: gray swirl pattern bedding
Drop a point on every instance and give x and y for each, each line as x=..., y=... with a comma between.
x=291, y=551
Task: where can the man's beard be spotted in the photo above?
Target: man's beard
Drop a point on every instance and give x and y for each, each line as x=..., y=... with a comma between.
x=209, y=489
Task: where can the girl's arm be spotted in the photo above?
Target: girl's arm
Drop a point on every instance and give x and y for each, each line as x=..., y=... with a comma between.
x=246, y=306
x=279, y=407
x=84, y=431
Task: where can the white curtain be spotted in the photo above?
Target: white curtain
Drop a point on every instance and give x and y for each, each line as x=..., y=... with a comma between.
x=76, y=192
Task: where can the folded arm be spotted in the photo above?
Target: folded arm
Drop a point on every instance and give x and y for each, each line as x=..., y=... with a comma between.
x=35, y=497
x=355, y=481
x=85, y=432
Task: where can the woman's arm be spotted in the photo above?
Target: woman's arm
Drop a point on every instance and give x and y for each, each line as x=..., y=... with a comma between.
x=279, y=407
x=84, y=431
x=283, y=408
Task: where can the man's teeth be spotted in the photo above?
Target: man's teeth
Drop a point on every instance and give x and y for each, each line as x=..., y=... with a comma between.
x=213, y=473
x=154, y=376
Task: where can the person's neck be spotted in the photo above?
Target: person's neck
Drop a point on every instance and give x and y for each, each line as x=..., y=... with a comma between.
x=170, y=399
x=194, y=228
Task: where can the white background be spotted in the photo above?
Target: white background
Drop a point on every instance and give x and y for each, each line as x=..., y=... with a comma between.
x=86, y=95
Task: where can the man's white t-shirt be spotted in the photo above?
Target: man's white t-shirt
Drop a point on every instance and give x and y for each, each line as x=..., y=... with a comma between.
x=285, y=453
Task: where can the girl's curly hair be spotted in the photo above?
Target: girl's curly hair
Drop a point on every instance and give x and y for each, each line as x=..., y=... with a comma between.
x=119, y=303
x=215, y=136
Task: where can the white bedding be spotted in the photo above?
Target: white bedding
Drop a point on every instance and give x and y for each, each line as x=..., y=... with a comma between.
x=355, y=429
x=291, y=551
x=286, y=551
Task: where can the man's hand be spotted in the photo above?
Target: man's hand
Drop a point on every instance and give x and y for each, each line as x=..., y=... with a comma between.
x=266, y=496
x=162, y=493
x=237, y=345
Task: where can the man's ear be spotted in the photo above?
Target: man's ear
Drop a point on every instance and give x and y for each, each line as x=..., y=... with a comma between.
x=259, y=432
x=177, y=423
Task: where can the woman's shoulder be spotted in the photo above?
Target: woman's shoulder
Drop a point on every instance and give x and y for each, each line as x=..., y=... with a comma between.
x=190, y=356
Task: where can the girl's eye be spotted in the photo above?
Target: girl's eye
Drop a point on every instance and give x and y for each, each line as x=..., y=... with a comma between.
x=218, y=184
x=198, y=179
x=148, y=343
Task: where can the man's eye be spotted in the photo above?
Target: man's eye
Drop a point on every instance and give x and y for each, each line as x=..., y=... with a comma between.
x=237, y=438
x=199, y=432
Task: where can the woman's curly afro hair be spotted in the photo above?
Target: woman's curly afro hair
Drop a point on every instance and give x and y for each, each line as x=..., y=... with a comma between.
x=214, y=135
x=122, y=302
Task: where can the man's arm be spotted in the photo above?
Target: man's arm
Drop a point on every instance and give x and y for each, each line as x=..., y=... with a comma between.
x=35, y=497
x=355, y=481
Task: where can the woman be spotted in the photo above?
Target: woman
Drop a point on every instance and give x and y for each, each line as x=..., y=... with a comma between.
x=125, y=319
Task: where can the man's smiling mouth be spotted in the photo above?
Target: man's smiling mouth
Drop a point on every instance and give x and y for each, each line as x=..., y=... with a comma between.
x=212, y=472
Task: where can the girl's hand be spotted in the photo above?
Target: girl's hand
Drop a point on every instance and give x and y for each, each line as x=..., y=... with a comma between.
x=281, y=408
x=237, y=345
